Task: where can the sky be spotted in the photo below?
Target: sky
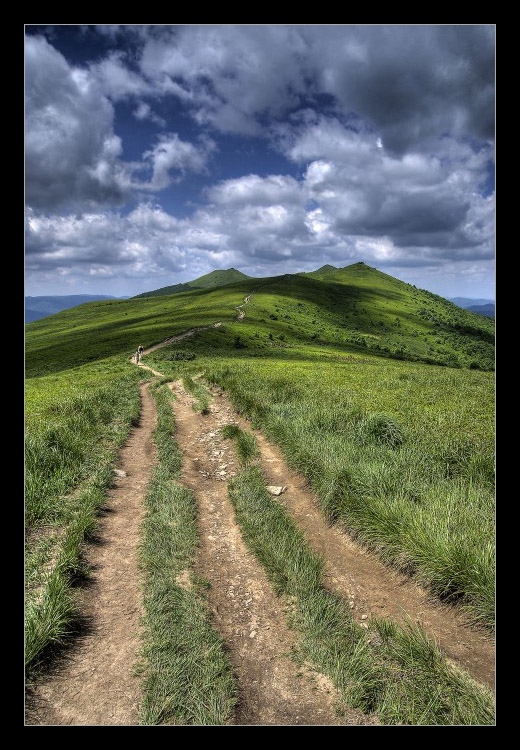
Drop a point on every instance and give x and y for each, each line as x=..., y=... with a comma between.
x=155, y=154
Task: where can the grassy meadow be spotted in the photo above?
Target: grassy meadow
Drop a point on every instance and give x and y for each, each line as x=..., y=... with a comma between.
x=380, y=394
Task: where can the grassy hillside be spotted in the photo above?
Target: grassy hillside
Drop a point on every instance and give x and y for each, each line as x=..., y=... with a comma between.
x=218, y=278
x=339, y=367
x=361, y=310
x=173, y=289
x=208, y=281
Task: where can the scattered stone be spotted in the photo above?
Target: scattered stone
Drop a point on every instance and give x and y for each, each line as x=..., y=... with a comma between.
x=120, y=473
x=275, y=490
x=364, y=617
x=252, y=634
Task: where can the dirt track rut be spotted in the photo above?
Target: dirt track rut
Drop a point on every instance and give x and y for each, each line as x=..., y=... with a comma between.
x=272, y=689
x=94, y=682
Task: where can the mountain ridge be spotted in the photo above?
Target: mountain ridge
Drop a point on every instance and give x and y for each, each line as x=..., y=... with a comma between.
x=356, y=308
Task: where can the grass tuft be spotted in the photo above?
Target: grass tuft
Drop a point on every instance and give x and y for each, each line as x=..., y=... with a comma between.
x=246, y=444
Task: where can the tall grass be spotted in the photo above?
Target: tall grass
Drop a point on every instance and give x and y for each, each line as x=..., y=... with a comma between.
x=246, y=445
x=50, y=602
x=67, y=438
x=201, y=394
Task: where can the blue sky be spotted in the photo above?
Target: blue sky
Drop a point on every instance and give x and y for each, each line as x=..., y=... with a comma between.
x=155, y=154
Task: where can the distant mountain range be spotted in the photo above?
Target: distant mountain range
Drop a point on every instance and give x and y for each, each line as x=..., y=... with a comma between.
x=481, y=306
x=487, y=310
x=40, y=307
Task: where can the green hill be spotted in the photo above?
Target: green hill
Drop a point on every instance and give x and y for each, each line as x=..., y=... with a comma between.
x=356, y=308
x=218, y=278
x=174, y=289
x=208, y=281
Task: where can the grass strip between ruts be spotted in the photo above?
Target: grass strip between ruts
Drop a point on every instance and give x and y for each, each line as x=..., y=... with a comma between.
x=187, y=676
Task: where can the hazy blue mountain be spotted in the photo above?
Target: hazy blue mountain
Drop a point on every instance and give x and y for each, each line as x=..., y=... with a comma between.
x=487, y=310
x=467, y=302
x=40, y=307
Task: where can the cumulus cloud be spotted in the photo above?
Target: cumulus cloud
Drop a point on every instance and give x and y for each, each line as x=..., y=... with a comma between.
x=73, y=156
x=415, y=200
x=172, y=157
x=69, y=154
x=255, y=190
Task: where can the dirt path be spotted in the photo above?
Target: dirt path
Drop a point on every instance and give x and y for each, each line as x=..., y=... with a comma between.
x=241, y=312
x=94, y=683
x=272, y=689
x=181, y=337
x=355, y=574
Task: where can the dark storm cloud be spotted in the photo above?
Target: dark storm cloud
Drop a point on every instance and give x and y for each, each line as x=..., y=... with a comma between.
x=414, y=83
x=411, y=83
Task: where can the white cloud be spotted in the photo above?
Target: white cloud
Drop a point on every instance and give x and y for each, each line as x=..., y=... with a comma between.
x=172, y=157
x=143, y=111
x=254, y=190
x=116, y=80
x=73, y=156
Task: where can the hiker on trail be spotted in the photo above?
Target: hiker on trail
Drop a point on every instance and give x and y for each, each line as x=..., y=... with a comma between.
x=139, y=354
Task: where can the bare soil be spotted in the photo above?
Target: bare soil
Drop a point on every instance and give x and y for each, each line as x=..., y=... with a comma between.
x=241, y=312
x=273, y=690
x=94, y=683
x=357, y=575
